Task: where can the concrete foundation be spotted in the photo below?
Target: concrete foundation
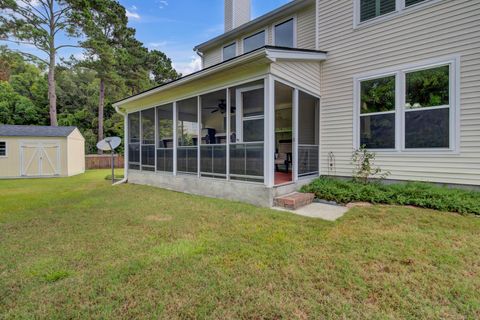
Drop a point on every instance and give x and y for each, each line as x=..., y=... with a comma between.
x=253, y=193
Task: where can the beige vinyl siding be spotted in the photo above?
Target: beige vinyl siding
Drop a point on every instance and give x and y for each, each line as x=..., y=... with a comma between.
x=228, y=15
x=212, y=57
x=440, y=29
x=306, y=29
x=303, y=74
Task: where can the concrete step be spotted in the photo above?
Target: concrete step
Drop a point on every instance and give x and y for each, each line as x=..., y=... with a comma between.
x=294, y=201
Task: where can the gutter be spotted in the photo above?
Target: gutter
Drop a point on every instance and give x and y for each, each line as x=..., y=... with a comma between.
x=125, y=157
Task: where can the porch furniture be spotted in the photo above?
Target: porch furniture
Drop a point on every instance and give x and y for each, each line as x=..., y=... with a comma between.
x=208, y=135
x=284, y=155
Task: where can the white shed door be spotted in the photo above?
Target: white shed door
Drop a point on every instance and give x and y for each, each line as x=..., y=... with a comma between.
x=40, y=159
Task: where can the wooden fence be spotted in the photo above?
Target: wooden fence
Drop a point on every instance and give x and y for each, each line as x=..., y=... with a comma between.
x=95, y=161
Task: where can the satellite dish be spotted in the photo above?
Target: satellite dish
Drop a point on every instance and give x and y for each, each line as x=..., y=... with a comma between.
x=109, y=144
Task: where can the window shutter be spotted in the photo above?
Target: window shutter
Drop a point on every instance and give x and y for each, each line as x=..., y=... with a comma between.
x=412, y=2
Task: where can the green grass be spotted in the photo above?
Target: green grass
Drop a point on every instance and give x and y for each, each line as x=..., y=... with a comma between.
x=423, y=195
x=79, y=248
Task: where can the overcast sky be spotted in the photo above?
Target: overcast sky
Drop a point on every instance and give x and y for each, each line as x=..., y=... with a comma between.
x=176, y=26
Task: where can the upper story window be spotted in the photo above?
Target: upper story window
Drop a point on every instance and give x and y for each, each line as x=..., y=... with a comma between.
x=254, y=42
x=3, y=149
x=409, y=109
x=370, y=9
x=229, y=51
x=284, y=34
x=367, y=10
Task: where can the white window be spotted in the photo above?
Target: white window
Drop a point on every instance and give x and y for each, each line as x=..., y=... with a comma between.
x=3, y=148
x=284, y=34
x=409, y=109
x=370, y=10
x=254, y=42
x=229, y=51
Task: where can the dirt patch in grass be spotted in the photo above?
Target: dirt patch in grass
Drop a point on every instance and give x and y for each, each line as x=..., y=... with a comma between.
x=158, y=218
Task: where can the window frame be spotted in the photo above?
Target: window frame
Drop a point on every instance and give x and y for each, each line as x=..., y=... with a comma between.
x=265, y=32
x=282, y=21
x=400, y=100
x=6, y=149
x=228, y=45
x=400, y=8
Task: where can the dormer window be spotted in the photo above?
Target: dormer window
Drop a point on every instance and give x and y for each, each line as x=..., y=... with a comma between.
x=254, y=42
x=229, y=51
x=284, y=34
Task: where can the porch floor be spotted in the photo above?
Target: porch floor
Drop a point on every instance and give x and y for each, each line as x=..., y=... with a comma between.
x=283, y=177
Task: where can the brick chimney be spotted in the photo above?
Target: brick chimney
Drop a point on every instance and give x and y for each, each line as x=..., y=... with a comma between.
x=237, y=12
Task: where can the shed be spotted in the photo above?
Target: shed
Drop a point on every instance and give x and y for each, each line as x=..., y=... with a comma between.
x=41, y=151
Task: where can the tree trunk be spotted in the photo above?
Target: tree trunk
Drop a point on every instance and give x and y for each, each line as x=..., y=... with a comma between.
x=52, y=96
x=101, y=101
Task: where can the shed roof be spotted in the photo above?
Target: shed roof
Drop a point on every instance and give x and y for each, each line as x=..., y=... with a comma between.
x=35, y=131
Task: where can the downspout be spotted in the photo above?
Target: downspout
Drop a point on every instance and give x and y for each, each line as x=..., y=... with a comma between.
x=125, y=157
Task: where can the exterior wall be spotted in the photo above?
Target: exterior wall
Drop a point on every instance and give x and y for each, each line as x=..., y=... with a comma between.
x=10, y=166
x=76, y=153
x=301, y=73
x=438, y=29
x=305, y=36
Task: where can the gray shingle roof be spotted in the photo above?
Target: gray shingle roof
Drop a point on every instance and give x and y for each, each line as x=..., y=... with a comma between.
x=34, y=131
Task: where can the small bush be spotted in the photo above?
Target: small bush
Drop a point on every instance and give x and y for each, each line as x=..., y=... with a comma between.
x=418, y=194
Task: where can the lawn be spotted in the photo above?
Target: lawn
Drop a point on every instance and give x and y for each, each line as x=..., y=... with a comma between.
x=79, y=248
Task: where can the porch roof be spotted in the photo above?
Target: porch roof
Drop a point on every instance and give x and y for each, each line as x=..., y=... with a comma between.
x=268, y=53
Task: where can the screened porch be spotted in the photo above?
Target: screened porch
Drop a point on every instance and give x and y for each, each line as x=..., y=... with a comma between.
x=263, y=131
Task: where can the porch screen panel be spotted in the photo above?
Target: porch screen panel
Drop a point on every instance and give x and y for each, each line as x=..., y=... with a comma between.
x=246, y=162
x=148, y=139
x=165, y=138
x=187, y=133
x=134, y=141
x=213, y=148
x=308, y=129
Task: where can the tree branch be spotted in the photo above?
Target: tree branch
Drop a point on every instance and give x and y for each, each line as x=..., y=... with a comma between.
x=36, y=10
x=30, y=56
x=68, y=46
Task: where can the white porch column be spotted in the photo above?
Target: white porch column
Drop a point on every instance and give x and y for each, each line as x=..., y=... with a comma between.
x=295, y=137
x=269, y=128
x=125, y=152
x=175, y=140
x=199, y=132
x=227, y=171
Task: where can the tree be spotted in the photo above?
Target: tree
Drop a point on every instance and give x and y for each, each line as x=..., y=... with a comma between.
x=37, y=23
x=161, y=68
x=105, y=25
x=15, y=108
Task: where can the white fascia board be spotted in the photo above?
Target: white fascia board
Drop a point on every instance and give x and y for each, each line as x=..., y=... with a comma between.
x=274, y=54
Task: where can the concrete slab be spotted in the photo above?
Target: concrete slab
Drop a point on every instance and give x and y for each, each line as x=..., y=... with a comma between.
x=319, y=210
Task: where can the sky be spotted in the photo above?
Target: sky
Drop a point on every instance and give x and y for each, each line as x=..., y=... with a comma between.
x=176, y=26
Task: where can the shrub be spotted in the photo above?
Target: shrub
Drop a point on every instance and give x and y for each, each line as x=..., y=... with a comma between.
x=418, y=194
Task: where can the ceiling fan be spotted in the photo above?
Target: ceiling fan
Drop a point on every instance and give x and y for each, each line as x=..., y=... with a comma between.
x=222, y=107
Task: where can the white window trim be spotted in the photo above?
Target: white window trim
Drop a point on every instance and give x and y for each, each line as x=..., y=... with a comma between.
x=400, y=72
x=228, y=45
x=265, y=32
x=400, y=9
x=240, y=119
x=279, y=22
x=6, y=149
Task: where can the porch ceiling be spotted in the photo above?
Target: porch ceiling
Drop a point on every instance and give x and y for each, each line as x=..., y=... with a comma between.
x=228, y=73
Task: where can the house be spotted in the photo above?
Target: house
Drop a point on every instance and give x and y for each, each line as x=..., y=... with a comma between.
x=39, y=151
x=288, y=96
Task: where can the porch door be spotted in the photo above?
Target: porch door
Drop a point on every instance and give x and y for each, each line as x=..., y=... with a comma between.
x=250, y=115
x=40, y=159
